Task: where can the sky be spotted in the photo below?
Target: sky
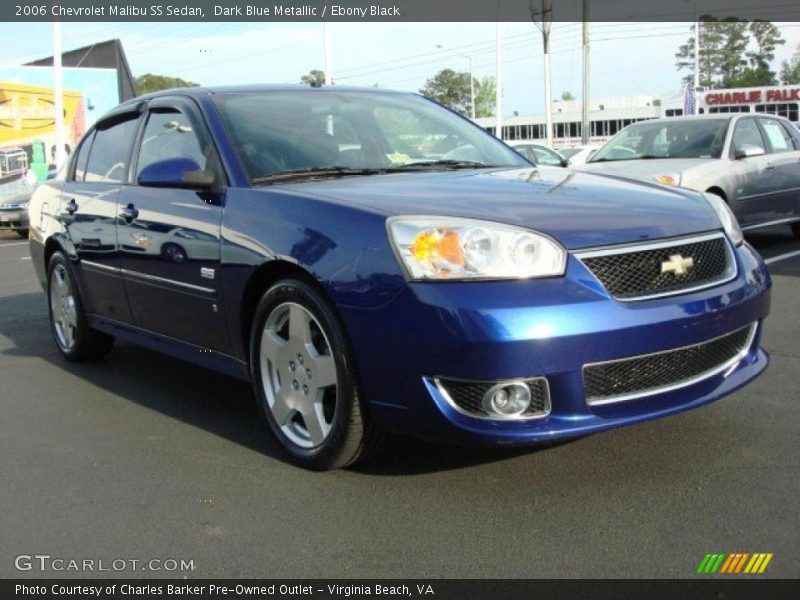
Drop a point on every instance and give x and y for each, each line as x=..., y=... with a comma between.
x=627, y=58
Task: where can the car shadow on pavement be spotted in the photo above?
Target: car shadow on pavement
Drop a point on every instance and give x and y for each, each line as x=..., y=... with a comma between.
x=202, y=398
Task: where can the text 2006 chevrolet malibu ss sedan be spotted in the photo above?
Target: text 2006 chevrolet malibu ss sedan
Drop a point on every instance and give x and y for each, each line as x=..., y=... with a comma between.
x=375, y=263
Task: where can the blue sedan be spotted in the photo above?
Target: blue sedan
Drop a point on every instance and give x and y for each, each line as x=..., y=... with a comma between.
x=374, y=263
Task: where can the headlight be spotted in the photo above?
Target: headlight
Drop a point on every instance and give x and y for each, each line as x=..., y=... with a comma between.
x=453, y=248
x=727, y=218
x=668, y=179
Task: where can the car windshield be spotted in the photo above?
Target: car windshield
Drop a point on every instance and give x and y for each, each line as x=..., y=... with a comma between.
x=681, y=138
x=286, y=135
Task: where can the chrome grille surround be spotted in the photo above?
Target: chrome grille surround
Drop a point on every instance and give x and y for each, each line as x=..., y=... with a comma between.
x=466, y=396
x=632, y=272
x=612, y=381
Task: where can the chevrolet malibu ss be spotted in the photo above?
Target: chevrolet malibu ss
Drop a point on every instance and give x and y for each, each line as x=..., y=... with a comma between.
x=374, y=263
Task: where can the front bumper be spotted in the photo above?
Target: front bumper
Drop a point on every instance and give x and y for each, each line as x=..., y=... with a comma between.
x=485, y=331
x=14, y=219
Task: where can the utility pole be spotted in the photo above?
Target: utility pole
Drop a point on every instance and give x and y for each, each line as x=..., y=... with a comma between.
x=58, y=95
x=544, y=27
x=498, y=92
x=326, y=53
x=585, y=124
x=696, y=51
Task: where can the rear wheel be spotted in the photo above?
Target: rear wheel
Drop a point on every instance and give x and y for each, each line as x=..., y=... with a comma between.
x=304, y=378
x=73, y=336
x=23, y=233
x=796, y=229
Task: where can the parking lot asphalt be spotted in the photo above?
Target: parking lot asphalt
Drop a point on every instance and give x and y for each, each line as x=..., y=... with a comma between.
x=144, y=457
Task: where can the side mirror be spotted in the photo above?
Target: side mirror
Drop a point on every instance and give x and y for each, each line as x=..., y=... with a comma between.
x=176, y=173
x=564, y=162
x=747, y=151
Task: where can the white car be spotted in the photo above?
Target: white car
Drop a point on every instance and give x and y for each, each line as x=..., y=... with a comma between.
x=578, y=155
x=752, y=161
x=538, y=154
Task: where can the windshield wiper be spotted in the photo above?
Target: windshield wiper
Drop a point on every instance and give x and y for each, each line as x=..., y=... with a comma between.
x=442, y=164
x=313, y=173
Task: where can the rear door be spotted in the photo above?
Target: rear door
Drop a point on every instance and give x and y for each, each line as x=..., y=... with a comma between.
x=784, y=160
x=89, y=212
x=170, y=239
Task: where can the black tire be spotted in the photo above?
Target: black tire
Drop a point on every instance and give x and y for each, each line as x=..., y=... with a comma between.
x=173, y=253
x=796, y=229
x=86, y=343
x=23, y=233
x=351, y=437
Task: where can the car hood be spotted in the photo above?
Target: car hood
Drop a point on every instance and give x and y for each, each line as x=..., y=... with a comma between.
x=578, y=209
x=646, y=169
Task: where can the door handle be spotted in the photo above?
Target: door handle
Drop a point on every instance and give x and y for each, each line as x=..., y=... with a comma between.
x=71, y=208
x=129, y=213
x=770, y=168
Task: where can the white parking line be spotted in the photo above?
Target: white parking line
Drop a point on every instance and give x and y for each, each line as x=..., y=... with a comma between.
x=12, y=244
x=25, y=258
x=774, y=259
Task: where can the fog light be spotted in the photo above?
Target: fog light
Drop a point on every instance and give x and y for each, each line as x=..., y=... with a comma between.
x=508, y=399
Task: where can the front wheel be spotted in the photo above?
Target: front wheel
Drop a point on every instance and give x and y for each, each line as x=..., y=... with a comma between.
x=796, y=229
x=73, y=336
x=23, y=233
x=305, y=380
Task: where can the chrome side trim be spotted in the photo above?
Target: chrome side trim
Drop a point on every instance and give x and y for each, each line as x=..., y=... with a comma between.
x=770, y=223
x=100, y=267
x=446, y=395
x=679, y=384
x=156, y=279
x=729, y=275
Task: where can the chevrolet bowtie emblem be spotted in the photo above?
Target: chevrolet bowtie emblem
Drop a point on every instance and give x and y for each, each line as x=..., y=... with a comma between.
x=677, y=264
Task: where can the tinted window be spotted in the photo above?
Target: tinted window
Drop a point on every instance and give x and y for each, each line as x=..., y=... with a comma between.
x=83, y=156
x=169, y=134
x=284, y=131
x=108, y=160
x=778, y=137
x=747, y=133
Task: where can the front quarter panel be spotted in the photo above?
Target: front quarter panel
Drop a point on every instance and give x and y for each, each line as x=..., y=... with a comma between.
x=344, y=248
x=44, y=207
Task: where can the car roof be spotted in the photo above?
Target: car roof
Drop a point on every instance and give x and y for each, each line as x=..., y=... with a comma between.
x=198, y=91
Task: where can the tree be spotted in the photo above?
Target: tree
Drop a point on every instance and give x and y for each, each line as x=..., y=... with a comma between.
x=566, y=96
x=152, y=83
x=733, y=53
x=485, y=89
x=451, y=89
x=315, y=78
x=790, y=70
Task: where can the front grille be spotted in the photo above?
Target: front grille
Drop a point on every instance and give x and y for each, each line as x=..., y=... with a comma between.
x=468, y=396
x=642, y=375
x=635, y=274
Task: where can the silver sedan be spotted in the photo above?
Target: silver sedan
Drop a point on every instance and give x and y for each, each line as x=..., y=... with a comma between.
x=752, y=161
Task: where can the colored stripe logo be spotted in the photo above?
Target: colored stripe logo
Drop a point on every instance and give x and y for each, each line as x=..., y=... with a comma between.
x=734, y=563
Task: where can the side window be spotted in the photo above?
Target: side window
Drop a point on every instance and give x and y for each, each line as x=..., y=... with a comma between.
x=108, y=158
x=779, y=140
x=83, y=157
x=747, y=133
x=545, y=157
x=169, y=134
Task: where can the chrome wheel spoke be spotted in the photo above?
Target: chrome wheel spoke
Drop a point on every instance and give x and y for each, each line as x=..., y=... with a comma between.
x=271, y=345
x=324, y=370
x=281, y=409
x=299, y=324
x=315, y=423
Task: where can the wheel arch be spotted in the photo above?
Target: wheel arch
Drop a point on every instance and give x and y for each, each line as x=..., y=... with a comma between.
x=260, y=281
x=715, y=189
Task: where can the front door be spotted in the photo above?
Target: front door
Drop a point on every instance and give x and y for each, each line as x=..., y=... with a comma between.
x=169, y=238
x=785, y=162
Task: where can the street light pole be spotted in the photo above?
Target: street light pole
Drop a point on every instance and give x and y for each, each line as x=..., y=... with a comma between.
x=471, y=78
x=58, y=96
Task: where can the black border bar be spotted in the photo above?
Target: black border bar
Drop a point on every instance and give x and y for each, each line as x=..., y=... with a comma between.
x=391, y=10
